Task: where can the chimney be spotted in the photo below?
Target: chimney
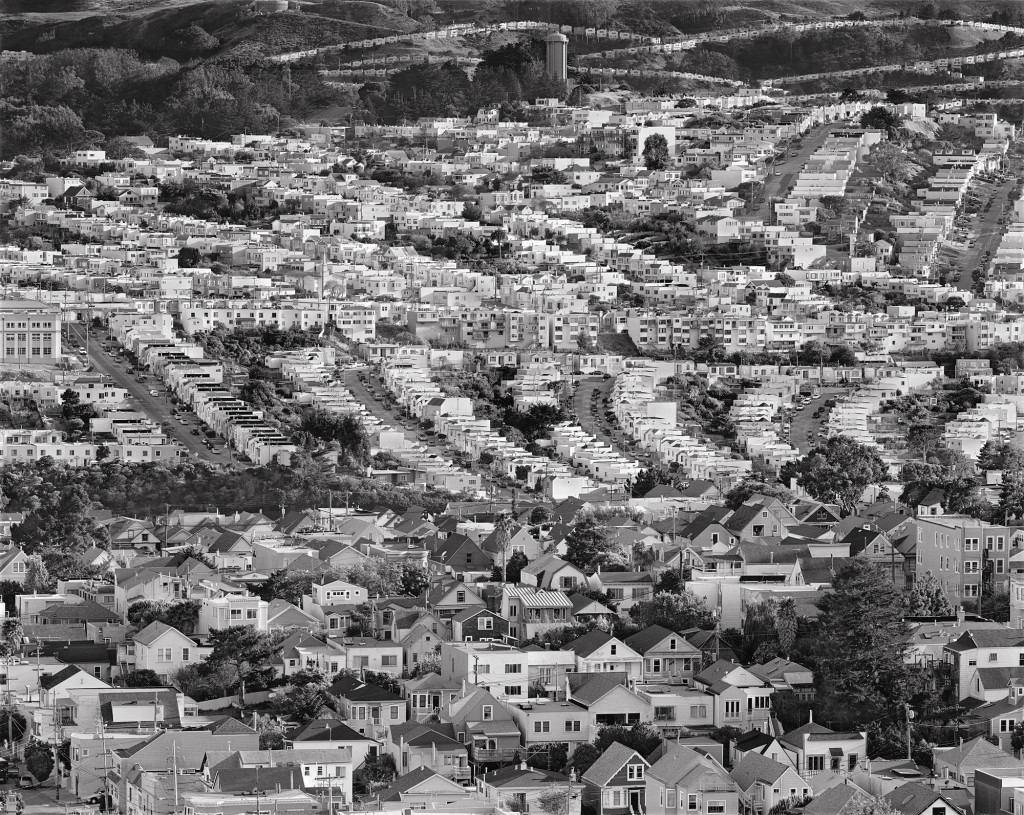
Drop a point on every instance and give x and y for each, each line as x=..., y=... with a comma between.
x=810, y=717
x=960, y=616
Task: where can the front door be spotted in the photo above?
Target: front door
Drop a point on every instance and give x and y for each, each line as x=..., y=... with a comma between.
x=636, y=801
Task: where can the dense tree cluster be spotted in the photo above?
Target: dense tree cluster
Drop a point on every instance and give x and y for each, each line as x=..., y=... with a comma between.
x=76, y=98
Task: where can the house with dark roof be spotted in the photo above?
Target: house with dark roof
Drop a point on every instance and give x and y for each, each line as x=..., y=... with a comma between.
x=81, y=613
x=785, y=675
x=423, y=789
x=757, y=520
x=586, y=609
x=626, y=589
x=707, y=530
x=415, y=745
x=91, y=658
x=986, y=663
x=764, y=744
x=331, y=734
x=685, y=777
x=667, y=656
x=916, y=798
x=369, y=709
x=841, y=799
x=428, y=694
x=54, y=686
x=741, y=699
x=606, y=699
x=815, y=748
x=616, y=783
x=997, y=720
x=764, y=783
x=479, y=625
x=485, y=725
x=524, y=787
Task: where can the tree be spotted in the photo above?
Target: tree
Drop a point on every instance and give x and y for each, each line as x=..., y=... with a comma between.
x=880, y=118
x=304, y=703
x=37, y=577
x=472, y=212
x=1017, y=739
x=39, y=759
x=738, y=495
x=503, y=531
x=554, y=800
x=11, y=634
x=539, y=515
x=271, y=732
x=923, y=439
x=415, y=579
x=142, y=678
x=676, y=612
x=12, y=722
x=189, y=257
x=380, y=577
x=837, y=472
x=309, y=676
x=245, y=648
x=786, y=624
x=1011, y=495
x=927, y=599
x=196, y=552
x=647, y=480
x=585, y=343
x=513, y=569
x=588, y=547
x=861, y=666
x=891, y=161
x=583, y=757
x=655, y=154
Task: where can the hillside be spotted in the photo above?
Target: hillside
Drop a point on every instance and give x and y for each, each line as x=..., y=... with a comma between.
x=169, y=27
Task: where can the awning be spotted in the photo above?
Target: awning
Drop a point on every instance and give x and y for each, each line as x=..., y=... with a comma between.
x=835, y=751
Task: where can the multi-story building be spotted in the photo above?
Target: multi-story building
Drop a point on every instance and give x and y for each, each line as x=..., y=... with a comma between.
x=957, y=549
x=30, y=332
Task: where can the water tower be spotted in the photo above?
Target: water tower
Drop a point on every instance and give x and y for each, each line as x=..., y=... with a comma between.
x=556, y=62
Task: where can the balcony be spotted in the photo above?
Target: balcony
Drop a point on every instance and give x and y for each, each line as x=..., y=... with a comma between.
x=498, y=754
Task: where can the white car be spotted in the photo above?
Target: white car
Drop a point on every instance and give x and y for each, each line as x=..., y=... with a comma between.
x=154, y=393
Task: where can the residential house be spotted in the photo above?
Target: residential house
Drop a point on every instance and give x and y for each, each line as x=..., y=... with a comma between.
x=331, y=734
x=544, y=721
x=232, y=611
x=616, y=784
x=607, y=700
x=916, y=798
x=428, y=694
x=668, y=656
x=160, y=648
x=531, y=612
x=485, y=726
x=422, y=789
x=815, y=749
x=447, y=597
x=600, y=652
x=551, y=572
x=764, y=783
x=520, y=788
x=626, y=589
x=431, y=746
x=479, y=625
x=685, y=780
x=741, y=698
x=959, y=763
x=368, y=709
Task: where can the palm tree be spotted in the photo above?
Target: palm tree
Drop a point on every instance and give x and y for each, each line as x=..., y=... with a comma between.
x=503, y=539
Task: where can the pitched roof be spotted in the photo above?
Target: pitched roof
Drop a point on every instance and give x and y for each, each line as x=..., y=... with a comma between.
x=795, y=737
x=596, y=687
x=149, y=634
x=53, y=680
x=835, y=800
x=325, y=730
x=586, y=645
x=912, y=798
x=977, y=749
x=406, y=782
x=610, y=762
x=756, y=767
x=644, y=640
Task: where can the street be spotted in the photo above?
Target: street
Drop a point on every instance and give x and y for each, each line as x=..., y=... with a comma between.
x=778, y=186
x=361, y=392
x=803, y=426
x=988, y=232
x=157, y=408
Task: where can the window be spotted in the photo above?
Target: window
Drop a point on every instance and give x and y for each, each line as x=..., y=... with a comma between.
x=486, y=624
x=163, y=654
x=513, y=690
x=487, y=713
x=236, y=614
x=691, y=800
x=460, y=597
x=250, y=614
x=732, y=709
x=634, y=772
x=716, y=807
x=389, y=661
x=186, y=654
x=572, y=726
x=613, y=649
x=993, y=657
x=394, y=712
x=542, y=727
x=698, y=711
x=513, y=668
x=815, y=763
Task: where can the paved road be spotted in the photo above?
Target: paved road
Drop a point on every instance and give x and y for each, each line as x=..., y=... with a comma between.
x=157, y=408
x=988, y=231
x=594, y=424
x=778, y=186
x=361, y=393
x=803, y=425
